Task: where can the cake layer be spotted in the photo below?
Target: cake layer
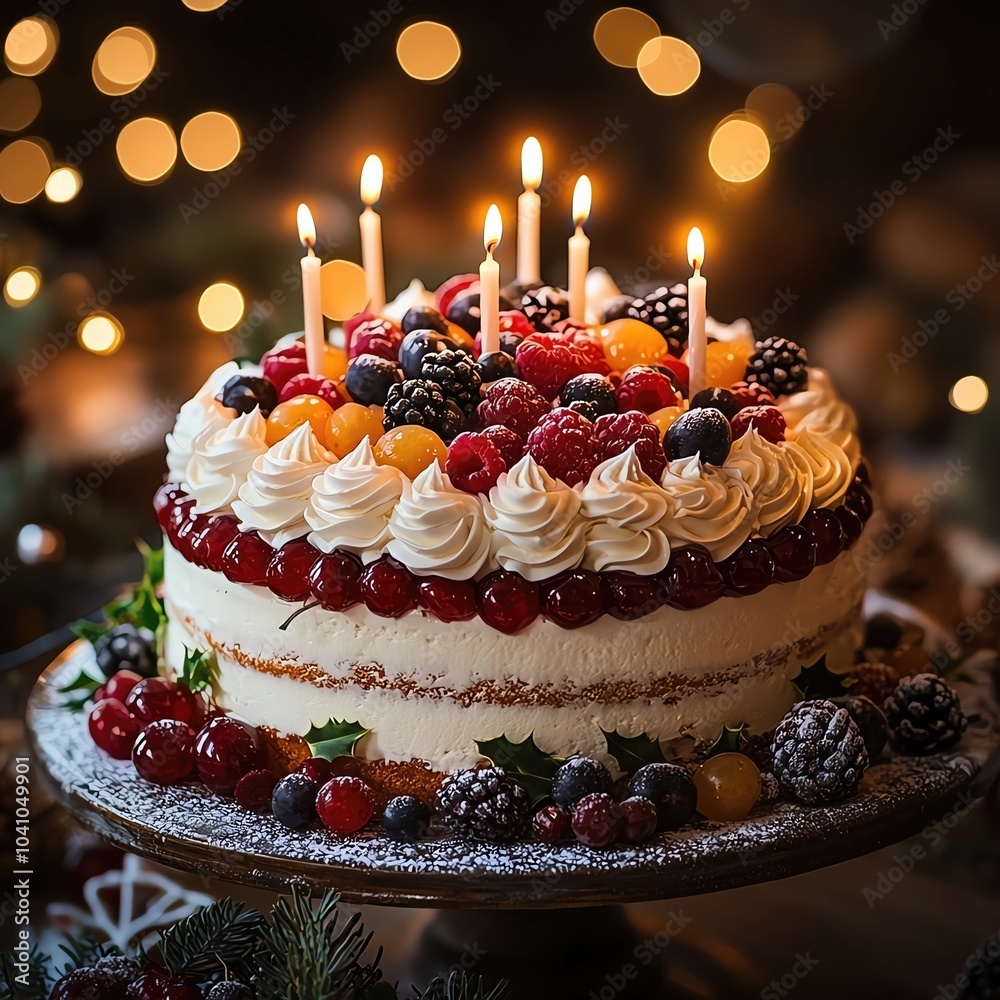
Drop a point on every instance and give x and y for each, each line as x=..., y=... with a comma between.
x=413, y=680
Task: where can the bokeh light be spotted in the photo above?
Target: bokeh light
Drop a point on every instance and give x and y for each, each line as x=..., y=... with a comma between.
x=123, y=61
x=147, y=150
x=20, y=102
x=777, y=109
x=969, y=394
x=621, y=33
x=428, y=50
x=343, y=289
x=739, y=149
x=220, y=307
x=100, y=333
x=63, y=185
x=22, y=286
x=30, y=46
x=203, y=6
x=668, y=66
x=37, y=543
x=24, y=168
x=211, y=140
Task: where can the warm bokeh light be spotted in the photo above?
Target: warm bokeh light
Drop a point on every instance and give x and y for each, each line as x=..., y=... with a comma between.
x=30, y=46
x=492, y=228
x=621, y=33
x=696, y=248
x=531, y=163
x=428, y=50
x=20, y=102
x=100, y=333
x=221, y=307
x=24, y=168
x=739, y=149
x=123, y=60
x=22, y=286
x=204, y=6
x=343, y=289
x=147, y=150
x=306, y=227
x=969, y=394
x=371, y=180
x=583, y=195
x=668, y=66
x=777, y=109
x=37, y=543
x=63, y=185
x=211, y=140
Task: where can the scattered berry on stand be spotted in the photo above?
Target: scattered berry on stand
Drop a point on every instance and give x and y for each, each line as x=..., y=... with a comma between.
x=640, y=819
x=406, y=819
x=244, y=393
x=579, y=776
x=597, y=820
x=875, y=681
x=924, y=715
x=551, y=824
x=670, y=788
x=293, y=801
x=780, y=365
x=113, y=728
x=484, y=804
x=317, y=769
x=666, y=310
x=565, y=445
x=225, y=750
x=369, y=379
x=253, y=791
x=728, y=786
x=155, y=698
x=704, y=432
x=345, y=805
x=514, y=404
x=121, y=684
x=768, y=421
x=124, y=647
x=869, y=719
x=164, y=752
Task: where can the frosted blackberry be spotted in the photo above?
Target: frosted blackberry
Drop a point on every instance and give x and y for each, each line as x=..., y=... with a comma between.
x=779, y=365
x=484, y=805
x=545, y=307
x=666, y=310
x=415, y=401
x=924, y=715
x=458, y=375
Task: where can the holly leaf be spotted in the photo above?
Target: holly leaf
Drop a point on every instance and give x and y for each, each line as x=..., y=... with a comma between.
x=334, y=739
x=83, y=686
x=152, y=560
x=730, y=741
x=524, y=762
x=86, y=629
x=632, y=752
x=818, y=682
x=198, y=671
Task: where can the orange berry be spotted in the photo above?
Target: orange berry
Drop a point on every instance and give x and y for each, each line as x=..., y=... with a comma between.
x=334, y=362
x=665, y=417
x=629, y=342
x=728, y=786
x=461, y=336
x=726, y=363
x=286, y=416
x=410, y=449
x=348, y=424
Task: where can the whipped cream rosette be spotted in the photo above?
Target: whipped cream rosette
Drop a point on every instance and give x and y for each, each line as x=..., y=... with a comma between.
x=832, y=469
x=820, y=409
x=200, y=417
x=221, y=463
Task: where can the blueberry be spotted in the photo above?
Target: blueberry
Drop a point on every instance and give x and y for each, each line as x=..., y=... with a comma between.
x=580, y=776
x=870, y=721
x=424, y=318
x=243, y=392
x=125, y=647
x=670, y=788
x=369, y=378
x=497, y=365
x=594, y=389
x=406, y=819
x=717, y=399
x=419, y=343
x=293, y=801
x=465, y=310
x=705, y=432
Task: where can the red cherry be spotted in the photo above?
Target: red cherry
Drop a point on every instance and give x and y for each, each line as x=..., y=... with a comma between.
x=851, y=524
x=448, y=600
x=335, y=581
x=253, y=790
x=288, y=570
x=794, y=553
x=164, y=500
x=101, y=693
x=345, y=805
x=692, y=578
x=185, y=535
x=164, y=752
x=640, y=819
x=225, y=750
x=284, y=362
x=208, y=546
x=859, y=500
x=826, y=532
x=113, y=728
x=445, y=295
x=551, y=824
x=158, y=984
x=574, y=598
x=312, y=385
x=632, y=596
x=177, y=515
x=317, y=769
x=121, y=684
x=246, y=558
x=507, y=601
x=748, y=570
x=155, y=698
x=389, y=588
x=680, y=370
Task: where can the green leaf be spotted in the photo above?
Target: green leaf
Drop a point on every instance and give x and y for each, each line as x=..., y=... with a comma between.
x=818, y=682
x=334, y=739
x=730, y=741
x=524, y=762
x=152, y=560
x=199, y=670
x=631, y=752
x=86, y=629
x=83, y=686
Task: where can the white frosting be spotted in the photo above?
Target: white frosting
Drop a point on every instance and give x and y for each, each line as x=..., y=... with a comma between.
x=413, y=295
x=537, y=528
x=831, y=468
x=626, y=510
x=437, y=529
x=200, y=416
x=709, y=506
x=221, y=463
x=351, y=503
x=821, y=410
x=274, y=498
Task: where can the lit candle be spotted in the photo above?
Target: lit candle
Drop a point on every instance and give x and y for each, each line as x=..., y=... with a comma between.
x=489, y=283
x=579, y=250
x=529, y=212
x=371, y=233
x=697, y=340
x=311, y=306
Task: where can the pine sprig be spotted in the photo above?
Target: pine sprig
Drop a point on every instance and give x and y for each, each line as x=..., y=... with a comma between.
x=40, y=978
x=212, y=940
x=83, y=951
x=461, y=986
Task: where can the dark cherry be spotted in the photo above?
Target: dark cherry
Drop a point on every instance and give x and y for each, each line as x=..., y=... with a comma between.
x=859, y=500
x=163, y=502
x=86, y=984
x=288, y=570
x=246, y=559
x=224, y=751
x=851, y=524
x=185, y=535
x=748, y=570
x=121, y=684
x=826, y=533
x=551, y=824
x=389, y=588
x=335, y=581
x=164, y=752
x=253, y=790
x=209, y=544
x=178, y=515
x=317, y=769
x=448, y=600
x=155, y=698
x=863, y=475
x=507, y=601
x=632, y=596
x=113, y=728
x=158, y=984
x=692, y=579
x=575, y=598
x=640, y=819
x=794, y=553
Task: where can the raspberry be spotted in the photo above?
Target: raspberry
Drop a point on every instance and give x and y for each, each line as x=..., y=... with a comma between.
x=572, y=334
x=551, y=824
x=597, y=819
x=565, y=445
x=474, y=463
x=510, y=444
x=768, y=421
x=549, y=363
x=752, y=394
x=380, y=337
x=513, y=403
x=616, y=433
x=645, y=389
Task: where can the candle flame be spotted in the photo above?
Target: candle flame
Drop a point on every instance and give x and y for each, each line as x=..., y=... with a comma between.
x=531, y=163
x=371, y=180
x=582, y=196
x=493, y=229
x=307, y=228
x=696, y=248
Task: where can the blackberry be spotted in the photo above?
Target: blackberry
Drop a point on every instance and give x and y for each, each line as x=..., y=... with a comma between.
x=458, y=375
x=119, y=968
x=779, y=365
x=545, y=307
x=666, y=310
x=230, y=990
x=125, y=647
x=406, y=819
x=484, y=805
x=579, y=776
x=415, y=401
x=924, y=715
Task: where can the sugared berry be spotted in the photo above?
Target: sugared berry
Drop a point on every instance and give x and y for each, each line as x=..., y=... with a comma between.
x=869, y=719
x=164, y=752
x=497, y=365
x=82, y=984
x=768, y=421
x=565, y=445
x=794, y=553
x=692, y=579
x=253, y=790
x=246, y=558
x=514, y=404
x=244, y=393
x=335, y=581
x=317, y=769
x=345, y=805
x=716, y=399
x=640, y=819
x=389, y=589
x=313, y=385
x=474, y=463
x=406, y=819
x=369, y=379
x=230, y=989
x=749, y=569
x=209, y=544
x=590, y=388
x=124, y=647
x=618, y=432
x=113, y=728
x=121, y=969
x=292, y=413
x=551, y=824
x=578, y=777
x=670, y=788
x=645, y=389
x=156, y=983
x=728, y=786
x=752, y=394
x=225, y=750
x=574, y=598
x=380, y=337
x=633, y=596
x=597, y=820
x=826, y=532
x=288, y=570
x=410, y=449
x=155, y=698
x=508, y=602
x=704, y=432
x=417, y=345
x=293, y=801
x=509, y=443
x=448, y=600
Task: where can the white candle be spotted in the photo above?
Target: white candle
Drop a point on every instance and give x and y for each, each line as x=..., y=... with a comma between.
x=529, y=212
x=697, y=339
x=489, y=283
x=579, y=250
x=371, y=233
x=311, y=304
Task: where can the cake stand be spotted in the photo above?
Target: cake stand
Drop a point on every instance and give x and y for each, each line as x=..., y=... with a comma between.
x=494, y=899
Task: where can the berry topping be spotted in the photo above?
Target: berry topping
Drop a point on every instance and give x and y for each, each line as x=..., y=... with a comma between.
x=626, y=343
x=827, y=533
x=244, y=393
x=230, y=989
x=590, y=388
x=406, y=819
x=728, y=786
x=645, y=389
x=552, y=824
x=497, y=365
x=670, y=788
x=749, y=569
x=924, y=715
x=597, y=820
x=509, y=443
x=283, y=362
x=704, y=432
x=447, y=292
x=851, y=524
x=640, y=819
x=410, y=449
x=294, y=412
x=335, y=581
x=155, y=698
x=289, y=568
x=253, y=791
x=380, y=337
x=246, y=559
x=389, y=588
x=616, y=433
x=164, y=752
x=415, y=401
x=125, y=647
x=545, y=306
x=121, y=684
x=474, y=463
x=715, y=398
x=508, y=602
x=859, y=500
x=794, y=553
x=752, y=394
x=574, y=598
x=224, y=751
x=633, y=596
x=565, y=445
x=548, y=362
x=317, y=769
x=349, y=424
x=448, y=600
x=345, y=805
x=121, y=969
x=80, y=984
x=665, y=309
x=293, y=801
x=164, y=501
x=514, y=404
x=779, y=365
x=465, y=310
x=483, y=805
x=458, y=376
x=113, y=728
x=209, y=544
x=369, y=379
x=726, y=362
x=188, y=530
x=578, y=777
x=768, y=421
x=417, y=345
x=692, y=579
x=423, y=318
x=313, y=385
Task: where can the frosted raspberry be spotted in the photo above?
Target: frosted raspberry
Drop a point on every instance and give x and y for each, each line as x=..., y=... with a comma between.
x=574, y=334
x=616, y=432
x=768, y=421
x=645, y=389
x=376, y=336
x=752, y=394
x=510, y=444
x=474, y=463
x=548, y=363
x=565, y=446
x=513, y=403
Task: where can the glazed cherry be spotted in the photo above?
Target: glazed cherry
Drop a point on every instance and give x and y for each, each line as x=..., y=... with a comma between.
x=317, y=769
x=177, y=515
x=507, y=601
x=164, y=752
x=632, y=596
x=827, y=533
x=183, y=539
x=121, y=684
x=794, y=553
x=209, y=544
x=345, y=805
x=448, y=600
x=851, y=524
x=164, y=500
x=859, y=500
x=113, y=728
x=246, y=559
x=389, y=588
x=551, y=824
x=574, y=598
x=748, y=570
x=224, y=751
x=253, y=790
x=155, y=698
x=335, y=581
x=158, y=984
x=692, y=579
x=288, y=570
x=863, y=475
x=640, y=819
